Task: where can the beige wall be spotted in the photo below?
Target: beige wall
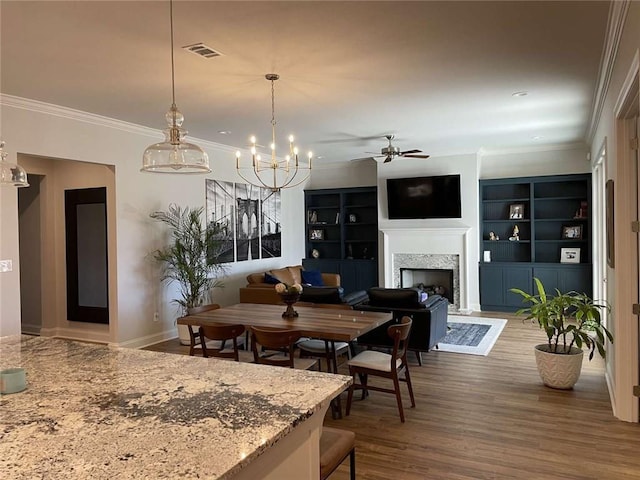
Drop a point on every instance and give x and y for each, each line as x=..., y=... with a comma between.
x=622, y=365
x=42, y=131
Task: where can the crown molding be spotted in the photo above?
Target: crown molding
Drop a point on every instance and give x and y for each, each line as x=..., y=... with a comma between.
x=541, y=148
x=615, y=26
x=99, y=120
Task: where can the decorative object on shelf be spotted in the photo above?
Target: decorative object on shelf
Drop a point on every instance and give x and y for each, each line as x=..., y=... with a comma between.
x=493, y=237
x=365, y=252
x=337, y=218
x=516, y=211
x=11, y=174
x=569, y=255
x=560, y=359
x=515, y=236
x=572, y=232
x=290, y=294
x=313, y=217
x=316, y=234
x=349, y=251
x=582, y=212
x=611, y=249
x=353, y=218
x=174, y=155
x=273, y=173
x=315, y=253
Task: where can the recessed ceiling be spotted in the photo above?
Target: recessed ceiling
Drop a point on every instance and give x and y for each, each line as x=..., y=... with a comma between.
x=441, y=76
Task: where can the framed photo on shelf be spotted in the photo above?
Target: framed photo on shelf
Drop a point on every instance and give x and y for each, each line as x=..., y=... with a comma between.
x=572, y=232
x=316, y=234
x=569, y=255
x=516, y=210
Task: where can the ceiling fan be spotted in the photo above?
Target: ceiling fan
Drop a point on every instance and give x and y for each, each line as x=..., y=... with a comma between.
x=391, y=151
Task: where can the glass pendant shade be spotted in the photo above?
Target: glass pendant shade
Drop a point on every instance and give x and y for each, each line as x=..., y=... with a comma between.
x=11, y=174
x=174, y=155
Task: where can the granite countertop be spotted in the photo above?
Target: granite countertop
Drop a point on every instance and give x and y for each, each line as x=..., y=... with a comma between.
x=91, y=411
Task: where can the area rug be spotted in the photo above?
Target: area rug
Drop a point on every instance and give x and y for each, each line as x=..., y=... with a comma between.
x=471, y=335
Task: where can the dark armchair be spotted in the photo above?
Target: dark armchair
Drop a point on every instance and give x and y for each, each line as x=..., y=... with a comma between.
x=429, y=317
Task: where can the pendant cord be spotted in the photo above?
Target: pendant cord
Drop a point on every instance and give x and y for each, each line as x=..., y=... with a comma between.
x=173, y=79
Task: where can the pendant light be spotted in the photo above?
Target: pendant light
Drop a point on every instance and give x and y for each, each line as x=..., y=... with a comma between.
x=174, y=155
x=11, y=174
x=273, y=174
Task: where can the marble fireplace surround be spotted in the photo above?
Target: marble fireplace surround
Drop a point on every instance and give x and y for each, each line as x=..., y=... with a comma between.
x=430, y=261
x=429, y=247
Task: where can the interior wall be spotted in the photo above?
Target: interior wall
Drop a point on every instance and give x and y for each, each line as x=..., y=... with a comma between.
x=428, y=229
x=361, y=173
x=544, y=161
x=29, y=215
x=75, y=136
x=622, y=363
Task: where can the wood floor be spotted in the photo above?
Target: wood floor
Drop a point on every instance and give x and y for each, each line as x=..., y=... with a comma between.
x=490, y=418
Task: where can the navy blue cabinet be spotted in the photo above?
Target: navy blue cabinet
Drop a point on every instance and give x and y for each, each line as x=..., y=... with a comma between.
x=342, y=235
x=534, y=227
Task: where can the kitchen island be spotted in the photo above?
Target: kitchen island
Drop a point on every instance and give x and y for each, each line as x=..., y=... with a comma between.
x=91, y=411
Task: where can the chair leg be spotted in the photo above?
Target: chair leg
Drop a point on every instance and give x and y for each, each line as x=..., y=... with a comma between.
x=408, y=380
x=419, y=357
x=350, y=397
x=364, y=379
x=396, y=387
x=352, y=463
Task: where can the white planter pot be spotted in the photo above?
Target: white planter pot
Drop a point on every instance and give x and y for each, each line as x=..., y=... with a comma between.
x=558, y=370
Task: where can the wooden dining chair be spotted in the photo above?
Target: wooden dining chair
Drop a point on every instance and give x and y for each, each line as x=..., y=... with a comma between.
x=371, y=362
x=282, y=344
x=194, y=333
x=317, y=348
x=224, y=334
x=336, y=445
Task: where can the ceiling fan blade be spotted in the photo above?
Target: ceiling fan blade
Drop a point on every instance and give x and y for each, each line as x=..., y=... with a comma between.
x=410, y=151
x=415, y=156
x=388, y=159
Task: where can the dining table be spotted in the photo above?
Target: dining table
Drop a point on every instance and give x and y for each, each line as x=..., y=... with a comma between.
x=329, y=324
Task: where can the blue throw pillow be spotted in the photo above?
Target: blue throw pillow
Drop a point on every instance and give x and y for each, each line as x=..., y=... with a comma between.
x=312, y=277
x=268, y=278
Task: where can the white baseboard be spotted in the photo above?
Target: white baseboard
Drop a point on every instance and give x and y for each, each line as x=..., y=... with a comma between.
x=147, y=340
x=72, y=334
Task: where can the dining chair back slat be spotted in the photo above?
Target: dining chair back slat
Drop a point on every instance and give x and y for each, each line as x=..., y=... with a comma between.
x=222, y=333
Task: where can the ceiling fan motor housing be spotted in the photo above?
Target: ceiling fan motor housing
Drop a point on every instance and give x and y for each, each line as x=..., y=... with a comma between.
x=391, y=151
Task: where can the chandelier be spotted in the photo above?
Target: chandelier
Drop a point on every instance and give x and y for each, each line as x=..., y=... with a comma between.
x=272, y=173
x=174, y=155
x=11, y=174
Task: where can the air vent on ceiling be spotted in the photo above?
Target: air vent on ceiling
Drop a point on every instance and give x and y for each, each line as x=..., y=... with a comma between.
x=202, y=50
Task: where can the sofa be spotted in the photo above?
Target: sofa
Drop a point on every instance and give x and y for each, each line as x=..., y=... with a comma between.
x=429, y=317
x=261, y=286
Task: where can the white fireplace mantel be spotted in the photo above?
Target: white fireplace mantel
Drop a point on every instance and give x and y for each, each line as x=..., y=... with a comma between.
x=443, y=240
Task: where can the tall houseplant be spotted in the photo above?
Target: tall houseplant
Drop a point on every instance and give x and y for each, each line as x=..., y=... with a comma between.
x=571, y=321
x=192, y=258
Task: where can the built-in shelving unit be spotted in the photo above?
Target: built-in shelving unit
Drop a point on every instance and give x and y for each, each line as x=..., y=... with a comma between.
x=342, y=234
x=553, y=241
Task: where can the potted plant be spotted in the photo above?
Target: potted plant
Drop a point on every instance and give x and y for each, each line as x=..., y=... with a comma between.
x=192, y=259
x=570, y=320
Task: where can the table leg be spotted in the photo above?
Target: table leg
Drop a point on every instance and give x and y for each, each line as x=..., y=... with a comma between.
x=336, y=403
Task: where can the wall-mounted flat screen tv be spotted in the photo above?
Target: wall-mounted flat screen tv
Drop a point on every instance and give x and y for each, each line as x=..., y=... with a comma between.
x=424, y=197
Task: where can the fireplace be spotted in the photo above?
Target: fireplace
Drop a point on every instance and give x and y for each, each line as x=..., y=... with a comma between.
x=434, y=281
x=410, y=269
